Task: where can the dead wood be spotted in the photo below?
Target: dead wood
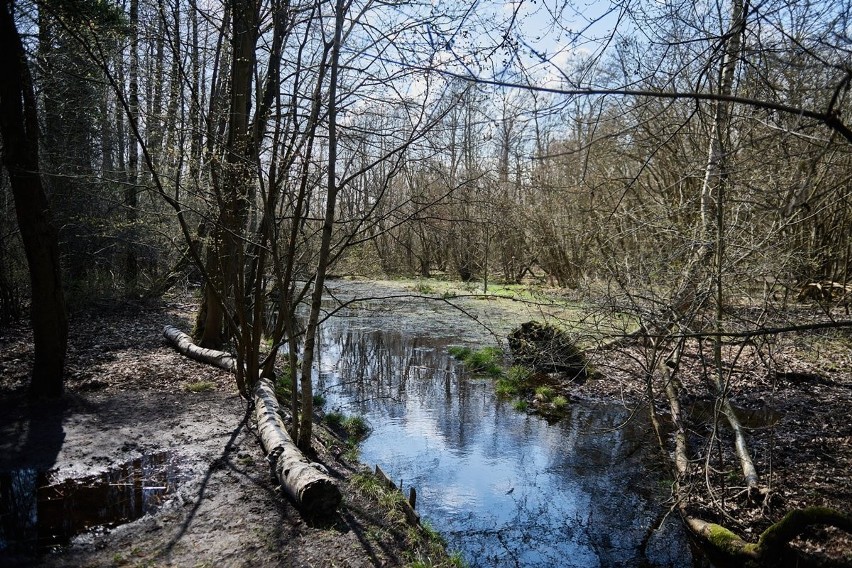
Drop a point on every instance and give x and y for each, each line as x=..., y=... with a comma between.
x=305, y=482
x=772, y=542
x=311, y=488
x=183, y=343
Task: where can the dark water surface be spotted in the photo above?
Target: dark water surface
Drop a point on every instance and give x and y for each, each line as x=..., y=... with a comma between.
x=38, y=513
x=505, y=488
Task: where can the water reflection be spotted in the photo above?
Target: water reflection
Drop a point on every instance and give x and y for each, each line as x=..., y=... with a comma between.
x=38, y=513
x=506, y=489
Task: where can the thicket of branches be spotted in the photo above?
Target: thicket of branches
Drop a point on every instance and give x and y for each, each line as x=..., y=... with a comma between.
x=668, y=159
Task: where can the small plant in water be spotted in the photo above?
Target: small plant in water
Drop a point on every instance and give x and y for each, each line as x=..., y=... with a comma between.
x=356, y=427
x=559, y=402
x=334, y=419
x=513, y=382
x=485, y=361
x=459, y=352
x=544, y=393
x=319, y=400
x=520, y=405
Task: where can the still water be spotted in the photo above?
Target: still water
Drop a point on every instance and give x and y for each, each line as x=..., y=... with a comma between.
x=504, y=488
x=38, y=513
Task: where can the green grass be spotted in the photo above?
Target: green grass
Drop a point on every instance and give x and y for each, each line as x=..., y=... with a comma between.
x=200, y=386
x=544, y=393
x=482, y=362
x=334, y=419
x=520, y=405
x=514, y=382
x=559, y=402
x=356, y=427
x=283, y=387
x=424, y=288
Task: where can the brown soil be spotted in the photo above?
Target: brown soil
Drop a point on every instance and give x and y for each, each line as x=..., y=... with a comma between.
x=128, y=395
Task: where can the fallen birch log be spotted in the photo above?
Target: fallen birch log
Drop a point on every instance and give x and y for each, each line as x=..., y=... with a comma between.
x=311, y=488
x=303, y=481
x=183, y=343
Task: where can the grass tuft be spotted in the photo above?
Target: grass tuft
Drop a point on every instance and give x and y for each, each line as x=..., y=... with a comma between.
x=200, y=386
x=485, y=361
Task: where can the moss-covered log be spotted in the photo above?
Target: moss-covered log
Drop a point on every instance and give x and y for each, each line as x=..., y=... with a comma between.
x=773, y=541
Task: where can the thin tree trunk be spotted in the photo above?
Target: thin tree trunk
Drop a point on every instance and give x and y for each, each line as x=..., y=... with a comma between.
x=306, y=418
x=131, y=263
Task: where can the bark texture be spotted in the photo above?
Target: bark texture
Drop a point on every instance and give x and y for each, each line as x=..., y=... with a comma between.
x=19, y=130
x=183, y=343
x=307, y=484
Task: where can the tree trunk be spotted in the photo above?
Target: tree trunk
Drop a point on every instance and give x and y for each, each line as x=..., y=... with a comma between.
x=131, y=263
x=19, y=129
x=183, y=343
x=305, y=422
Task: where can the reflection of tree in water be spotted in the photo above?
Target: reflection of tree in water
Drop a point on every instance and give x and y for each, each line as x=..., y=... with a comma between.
x=603, y=523
x=37, y=513
x=506, y=489
x=17, y=506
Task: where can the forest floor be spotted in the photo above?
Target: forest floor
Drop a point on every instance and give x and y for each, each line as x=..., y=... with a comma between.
x=793, y=395
x=131, y=399
x=130, y=395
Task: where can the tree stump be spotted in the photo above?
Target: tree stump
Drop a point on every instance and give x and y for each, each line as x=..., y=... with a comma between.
x=547, y=349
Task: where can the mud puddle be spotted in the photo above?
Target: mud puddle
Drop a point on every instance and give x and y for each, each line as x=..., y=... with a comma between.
x=39, y=513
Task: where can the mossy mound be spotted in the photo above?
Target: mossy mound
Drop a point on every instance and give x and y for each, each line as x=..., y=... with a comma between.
x=544, y=348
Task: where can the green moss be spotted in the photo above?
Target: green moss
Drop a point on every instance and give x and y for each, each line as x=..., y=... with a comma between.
x=728, y=542
x=721, y=537
x=200, y=386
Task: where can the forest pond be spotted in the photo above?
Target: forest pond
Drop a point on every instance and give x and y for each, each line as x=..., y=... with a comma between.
x=504, y=488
